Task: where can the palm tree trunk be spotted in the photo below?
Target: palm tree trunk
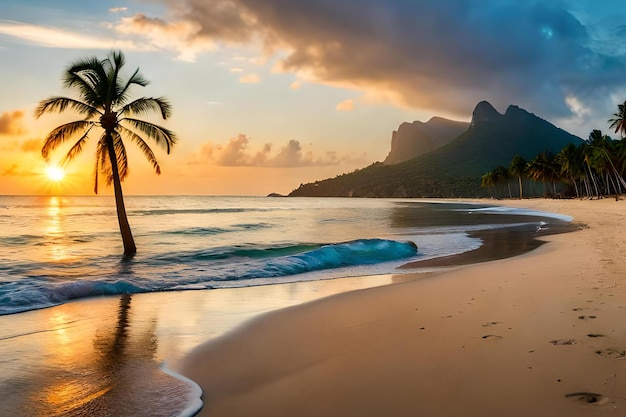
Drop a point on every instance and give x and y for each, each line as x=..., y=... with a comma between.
x=519, y=178
x=575, y=186
x=595, y=185
x=127, y=236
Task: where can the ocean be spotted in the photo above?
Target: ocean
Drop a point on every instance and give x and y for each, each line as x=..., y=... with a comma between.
x=57, y=249
x=107, y=355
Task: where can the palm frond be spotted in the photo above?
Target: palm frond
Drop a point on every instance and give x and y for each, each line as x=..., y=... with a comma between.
x=76, y=148
x=145, y=148
x=145, y=105
x=135, y=79
x=159, y=134
x=87, y=77
x=114, y=63
x=101, y=161
x=60, y=104
x=120, y=156
x=63, y=133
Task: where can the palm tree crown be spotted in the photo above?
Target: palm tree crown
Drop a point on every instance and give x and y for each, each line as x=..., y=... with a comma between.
x=619, y=119
x=106, y=106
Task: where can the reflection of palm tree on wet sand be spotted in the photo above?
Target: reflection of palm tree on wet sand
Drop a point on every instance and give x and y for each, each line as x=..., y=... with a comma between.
x=124, y=379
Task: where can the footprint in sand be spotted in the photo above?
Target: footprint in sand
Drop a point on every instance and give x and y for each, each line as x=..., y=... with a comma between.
x=561, y=342
x=595, y=335
x=491, y=323
x=492, y=337
x=588, y=397
x=612, y=353
x=587, y=317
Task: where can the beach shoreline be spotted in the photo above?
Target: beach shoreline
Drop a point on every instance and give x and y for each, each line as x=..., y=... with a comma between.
x=537, y=334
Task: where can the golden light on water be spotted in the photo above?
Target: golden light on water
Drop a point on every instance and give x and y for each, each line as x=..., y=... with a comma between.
x=53, y=231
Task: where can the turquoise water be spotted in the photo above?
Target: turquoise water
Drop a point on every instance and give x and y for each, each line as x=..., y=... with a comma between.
x=56, y=249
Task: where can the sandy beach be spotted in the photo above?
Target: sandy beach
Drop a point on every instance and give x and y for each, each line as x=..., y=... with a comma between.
x=541, y=334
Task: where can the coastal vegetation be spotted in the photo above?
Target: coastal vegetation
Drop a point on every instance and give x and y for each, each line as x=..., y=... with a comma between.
x=108, y=113
x=455, y=168
x=592, y=169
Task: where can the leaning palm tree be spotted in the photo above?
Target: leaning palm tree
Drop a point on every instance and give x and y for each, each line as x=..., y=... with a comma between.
x=106, y=107
x=619, y=119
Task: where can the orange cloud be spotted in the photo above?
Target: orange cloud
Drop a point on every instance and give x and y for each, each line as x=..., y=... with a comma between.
x=237, y=153
x=346, y=105
x=250, y=79
x=11, y=123
x=15, y=171
x=181, y=36
x=31, y=145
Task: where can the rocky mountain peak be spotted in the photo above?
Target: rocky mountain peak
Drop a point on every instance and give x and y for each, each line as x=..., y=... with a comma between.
x=484, y=112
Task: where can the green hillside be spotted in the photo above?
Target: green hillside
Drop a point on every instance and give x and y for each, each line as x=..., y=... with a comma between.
x=454, y=170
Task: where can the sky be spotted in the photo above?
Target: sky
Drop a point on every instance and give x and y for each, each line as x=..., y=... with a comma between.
x=270, y=94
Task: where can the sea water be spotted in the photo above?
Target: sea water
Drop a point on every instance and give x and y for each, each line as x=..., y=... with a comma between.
x=56, y=249
x=91, y=359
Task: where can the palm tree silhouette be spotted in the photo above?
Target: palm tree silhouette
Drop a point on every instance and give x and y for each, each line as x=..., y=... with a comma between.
x=619, y=119
x=518, y=168
x=105, y=104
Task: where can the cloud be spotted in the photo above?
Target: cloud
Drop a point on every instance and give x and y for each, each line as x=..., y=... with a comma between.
x=428, y=54
x=31, y=145
x=159, y=34
x=346, y=105
x=60, y=38
x=237, y=152
x=118, y=9
x=249, y=79
x=12, y=171
x=11, y=123
x=15, y=171
x=295, y=85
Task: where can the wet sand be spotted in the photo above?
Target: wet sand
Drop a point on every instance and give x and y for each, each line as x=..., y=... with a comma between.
x=541, y=334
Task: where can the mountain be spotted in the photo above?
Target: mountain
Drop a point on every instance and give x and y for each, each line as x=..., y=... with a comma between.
x=417, y=138
x=454, y=169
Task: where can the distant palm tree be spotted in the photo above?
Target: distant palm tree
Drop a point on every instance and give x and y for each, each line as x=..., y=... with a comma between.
x=606, y=154
x=571, y=164
x=488, y=181
x=105, y=104
x=544, y=169
x=502, y=176
x=619, y=119
x=518, y=168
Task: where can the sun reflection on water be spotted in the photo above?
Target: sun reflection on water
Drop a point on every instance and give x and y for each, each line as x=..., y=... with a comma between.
x=54, y=231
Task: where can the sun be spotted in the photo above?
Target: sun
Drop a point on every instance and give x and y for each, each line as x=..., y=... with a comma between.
x=55, y=174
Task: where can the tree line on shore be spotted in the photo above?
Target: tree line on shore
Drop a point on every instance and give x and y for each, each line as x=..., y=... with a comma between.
x=593, y=169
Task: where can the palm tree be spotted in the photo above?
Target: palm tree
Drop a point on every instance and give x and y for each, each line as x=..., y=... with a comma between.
x=106, y=106
x=501, y=176
x=619, y=119
x=488, y=180
x=544, y=169
x=518, y=168
x=570, y=162
x=604, y=151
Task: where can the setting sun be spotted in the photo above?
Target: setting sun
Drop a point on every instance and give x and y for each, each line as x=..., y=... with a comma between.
x=55, y=173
